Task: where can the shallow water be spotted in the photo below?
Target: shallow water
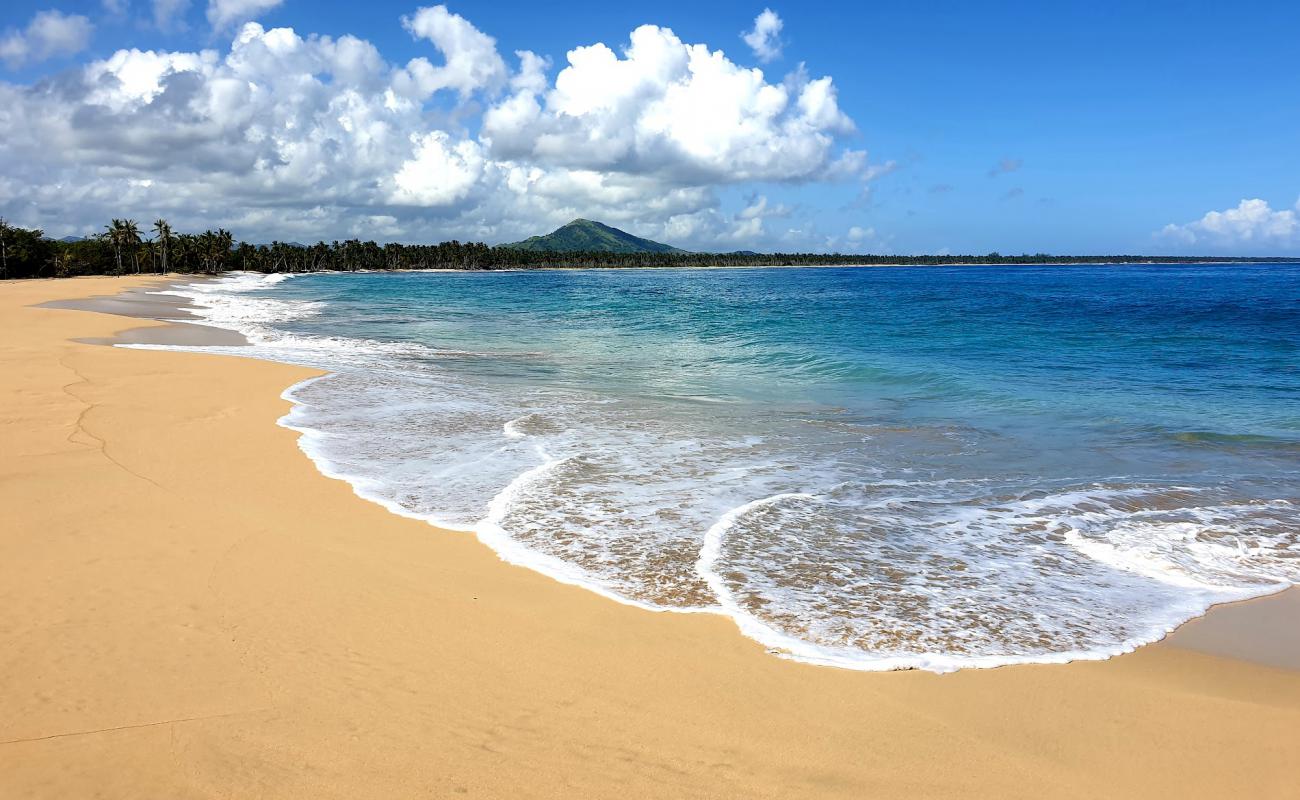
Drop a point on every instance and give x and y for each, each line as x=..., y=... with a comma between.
x=874, y=468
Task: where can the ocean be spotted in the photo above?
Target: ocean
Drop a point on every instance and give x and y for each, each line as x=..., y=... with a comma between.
x=872, y=468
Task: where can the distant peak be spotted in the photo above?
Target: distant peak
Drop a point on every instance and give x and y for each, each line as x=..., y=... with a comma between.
x=588, y=235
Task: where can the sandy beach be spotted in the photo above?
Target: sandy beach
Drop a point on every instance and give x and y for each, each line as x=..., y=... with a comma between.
x=189, y=609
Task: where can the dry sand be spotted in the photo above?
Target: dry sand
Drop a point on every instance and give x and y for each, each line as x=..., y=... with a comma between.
x=188, y=609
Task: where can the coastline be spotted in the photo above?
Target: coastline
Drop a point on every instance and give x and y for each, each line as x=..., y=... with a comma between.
x=1253, y=628
x=299, y=641
x=895, y=265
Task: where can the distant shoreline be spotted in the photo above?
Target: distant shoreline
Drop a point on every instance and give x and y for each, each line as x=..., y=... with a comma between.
x=125, y=251
x=615, y=267
x=884, y=266
x=736, y=267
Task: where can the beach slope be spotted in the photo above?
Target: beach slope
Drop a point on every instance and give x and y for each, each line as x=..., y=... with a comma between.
x=189, y=609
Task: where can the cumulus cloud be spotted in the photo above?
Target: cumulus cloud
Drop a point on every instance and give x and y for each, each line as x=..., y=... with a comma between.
x=293, y=136
x=1251, y=223
x=471, y=58
x=681, y=112
x=439, y=173
x=531, y=77
x=224, y=13
x=48, y=34
x=764, y=38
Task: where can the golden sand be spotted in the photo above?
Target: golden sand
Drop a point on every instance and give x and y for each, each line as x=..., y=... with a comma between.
x=188, y=609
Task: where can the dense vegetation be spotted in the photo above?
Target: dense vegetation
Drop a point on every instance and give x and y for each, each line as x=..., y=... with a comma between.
x=585, y=236
x=124, y=249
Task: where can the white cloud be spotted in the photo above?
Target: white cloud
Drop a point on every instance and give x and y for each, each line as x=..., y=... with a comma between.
x=49, y=34
x=764, y=38
x=439, y=173
x=759, y=209
x=859, y=239
x=295, y=136
x=681, y=112
x=131, y=78
x=531, y=77
x=471, y=57
x=1253, y=223
x=225, y=13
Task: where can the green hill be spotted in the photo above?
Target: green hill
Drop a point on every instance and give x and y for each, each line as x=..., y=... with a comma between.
x=583, y=235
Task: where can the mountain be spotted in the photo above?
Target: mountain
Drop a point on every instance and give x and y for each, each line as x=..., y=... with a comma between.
x=586, y=235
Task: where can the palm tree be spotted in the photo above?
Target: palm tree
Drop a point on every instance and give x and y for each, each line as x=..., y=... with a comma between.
x=185, y=251
x=203, y=249
x=225, y=243
x=278, y=257
x=124, y=233
x=131, y=238
x=164, y=238
x=113, y=232
x=214, y=248
x=4, y=250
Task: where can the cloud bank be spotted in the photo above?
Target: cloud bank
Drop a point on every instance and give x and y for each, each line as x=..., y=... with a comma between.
x=303, y=136
x=1252, y=225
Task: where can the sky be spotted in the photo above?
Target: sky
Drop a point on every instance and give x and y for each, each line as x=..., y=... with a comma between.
x=882, y=127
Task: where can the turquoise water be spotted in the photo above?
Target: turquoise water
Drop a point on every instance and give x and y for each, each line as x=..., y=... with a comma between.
x=875, y=468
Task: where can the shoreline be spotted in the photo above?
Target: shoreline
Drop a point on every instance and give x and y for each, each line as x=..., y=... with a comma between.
x=162, y=640
x=143, y=302
x=1249, y=629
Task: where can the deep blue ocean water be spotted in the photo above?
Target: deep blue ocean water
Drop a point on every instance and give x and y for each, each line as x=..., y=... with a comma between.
x=877, y=468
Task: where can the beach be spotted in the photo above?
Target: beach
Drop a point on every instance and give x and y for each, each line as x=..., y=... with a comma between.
x=190, y=609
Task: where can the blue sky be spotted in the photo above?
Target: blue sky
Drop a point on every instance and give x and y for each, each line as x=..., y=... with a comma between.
x=882, y=127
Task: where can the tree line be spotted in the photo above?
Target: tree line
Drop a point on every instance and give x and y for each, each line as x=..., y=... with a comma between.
x=123, y=248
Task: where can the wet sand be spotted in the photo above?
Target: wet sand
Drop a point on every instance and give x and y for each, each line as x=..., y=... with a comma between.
x=189, y=609
x=1265, y=630
x=144, y=302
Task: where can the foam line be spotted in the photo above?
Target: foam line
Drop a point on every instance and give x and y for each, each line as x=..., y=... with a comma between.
x=1110, y=542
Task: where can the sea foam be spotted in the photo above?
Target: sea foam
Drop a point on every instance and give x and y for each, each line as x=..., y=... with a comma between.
x=855, y=536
